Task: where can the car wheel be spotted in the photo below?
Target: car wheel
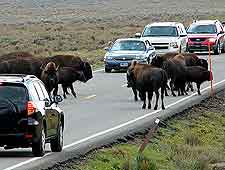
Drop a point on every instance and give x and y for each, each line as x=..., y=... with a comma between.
x=107, y=70
x=57, y=143
x=218, y=49
x=38, y=148
x=223, y=48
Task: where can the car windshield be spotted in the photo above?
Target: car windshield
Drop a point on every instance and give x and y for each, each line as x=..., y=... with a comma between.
x=129, y=45
x=160, y=31
x=13, y=93
x=202, y=29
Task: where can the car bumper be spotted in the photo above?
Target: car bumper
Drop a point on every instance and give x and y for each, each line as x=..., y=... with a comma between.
x=169, y=50
x=120, y=65
x=200, y=47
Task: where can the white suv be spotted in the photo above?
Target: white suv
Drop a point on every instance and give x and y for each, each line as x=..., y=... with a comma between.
x=165, y=36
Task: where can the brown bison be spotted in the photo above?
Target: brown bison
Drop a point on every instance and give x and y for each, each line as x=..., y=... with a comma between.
x=21, y=66
x=198, y=75
x=72, y=61
x=49, y=76
x=67, y=76
x=175, y=70
x=147, y=79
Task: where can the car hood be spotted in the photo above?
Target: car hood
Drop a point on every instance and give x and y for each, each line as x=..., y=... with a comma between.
x=202, y=35
x=161, y=39
x=126, y=53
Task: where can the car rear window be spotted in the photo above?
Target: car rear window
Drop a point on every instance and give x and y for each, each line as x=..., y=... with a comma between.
x=13, y=92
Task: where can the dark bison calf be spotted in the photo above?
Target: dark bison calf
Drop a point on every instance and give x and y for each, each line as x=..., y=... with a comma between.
x=67, y=76
x=147, y=79
x=198, y=75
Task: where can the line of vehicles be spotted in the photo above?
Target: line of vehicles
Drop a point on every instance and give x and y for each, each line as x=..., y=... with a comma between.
x=163, y=37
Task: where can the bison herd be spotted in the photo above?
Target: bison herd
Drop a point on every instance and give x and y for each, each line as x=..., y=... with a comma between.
x=54, y=70
x=182, y=69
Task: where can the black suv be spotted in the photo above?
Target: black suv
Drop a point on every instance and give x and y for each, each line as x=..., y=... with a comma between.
x=29, y=117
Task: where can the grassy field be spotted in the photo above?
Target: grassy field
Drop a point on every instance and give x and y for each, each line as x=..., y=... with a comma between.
x=194, y=140
x=85, y=39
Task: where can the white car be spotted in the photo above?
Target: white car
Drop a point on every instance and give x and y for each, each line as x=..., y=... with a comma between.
x=165, y=36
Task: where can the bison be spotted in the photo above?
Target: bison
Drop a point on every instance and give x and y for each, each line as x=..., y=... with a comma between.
x=72, y=61
x=198, y=75
x=67, y=76
x=49, y=76
x=175, y=69
x=147, y=79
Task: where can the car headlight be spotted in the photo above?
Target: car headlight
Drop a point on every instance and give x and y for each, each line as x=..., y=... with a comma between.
x=108, y=57
x=174, y=44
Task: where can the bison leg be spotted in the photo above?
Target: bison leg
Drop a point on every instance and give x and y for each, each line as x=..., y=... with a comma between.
x=64, y=91
x=157, y=99
x=162, y=97
x=171, y=87
x=150, y=94
x=72, y=90
x=191, y=86
x=143, y=94
x=135, y=93
x=198, y=87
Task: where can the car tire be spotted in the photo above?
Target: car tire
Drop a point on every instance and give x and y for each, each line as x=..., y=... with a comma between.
x=38, y=148
x=217, y=51
x=223, y=48
x=56, y=144
x=108, y=70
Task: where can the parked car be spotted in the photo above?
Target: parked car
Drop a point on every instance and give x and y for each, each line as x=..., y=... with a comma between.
x=203, y=32
x=123, y=51
x=28, y=116
x=165, y=36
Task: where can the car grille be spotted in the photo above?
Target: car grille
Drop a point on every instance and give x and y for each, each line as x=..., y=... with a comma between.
x=125, y=58
x=159, y=46
x=198, y=39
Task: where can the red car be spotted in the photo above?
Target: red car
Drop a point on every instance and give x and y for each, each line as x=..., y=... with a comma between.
x=203, y=32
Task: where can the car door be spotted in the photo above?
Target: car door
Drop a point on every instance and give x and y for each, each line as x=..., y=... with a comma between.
x=221, y=33
x=47, y=110
x=54, y=114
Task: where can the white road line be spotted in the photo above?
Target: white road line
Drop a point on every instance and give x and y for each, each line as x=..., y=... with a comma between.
x=112, y=129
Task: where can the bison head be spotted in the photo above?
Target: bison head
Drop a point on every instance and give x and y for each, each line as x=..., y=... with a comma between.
x=87, y=71
x=157, y=61
x=203, y=63
x=50, y=76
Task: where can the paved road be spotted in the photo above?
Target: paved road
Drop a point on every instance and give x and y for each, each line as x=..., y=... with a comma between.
x=104, y=105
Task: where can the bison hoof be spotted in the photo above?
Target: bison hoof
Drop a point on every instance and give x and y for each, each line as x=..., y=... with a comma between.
x=192, y=90
x=155, y=108
x=163, y=107
x=149, y=107
x=144, y=106
x=135, y=99
x=174, y=95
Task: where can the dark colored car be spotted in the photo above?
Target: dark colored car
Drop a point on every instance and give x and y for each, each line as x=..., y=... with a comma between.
x=205, y=32
x=28, y=116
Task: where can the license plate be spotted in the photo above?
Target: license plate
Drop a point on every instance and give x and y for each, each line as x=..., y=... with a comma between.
x=124, y=64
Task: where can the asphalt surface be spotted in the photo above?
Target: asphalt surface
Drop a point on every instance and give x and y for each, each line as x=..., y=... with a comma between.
x=104, y=107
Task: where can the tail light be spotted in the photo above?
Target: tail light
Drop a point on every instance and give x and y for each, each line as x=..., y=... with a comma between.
x=31, y=108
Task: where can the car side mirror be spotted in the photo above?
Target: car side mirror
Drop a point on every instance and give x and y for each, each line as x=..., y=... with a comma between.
x=47, y=103
x=57, y=99
x=138, y=35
